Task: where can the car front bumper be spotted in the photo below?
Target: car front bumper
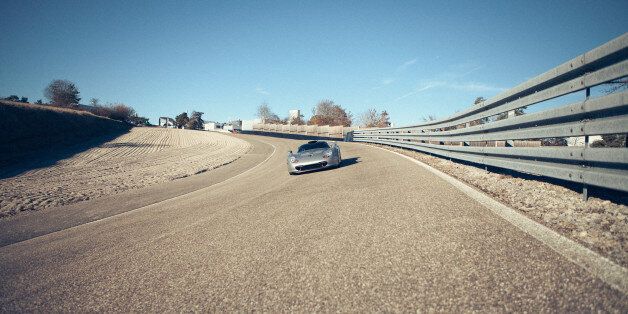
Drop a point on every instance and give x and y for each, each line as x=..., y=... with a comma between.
x=307, y=166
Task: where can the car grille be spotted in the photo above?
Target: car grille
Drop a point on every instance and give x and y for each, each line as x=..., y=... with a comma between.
x=312, y=166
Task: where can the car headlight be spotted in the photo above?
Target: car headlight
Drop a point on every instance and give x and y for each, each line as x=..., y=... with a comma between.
x=293, y=159
x=327, y=154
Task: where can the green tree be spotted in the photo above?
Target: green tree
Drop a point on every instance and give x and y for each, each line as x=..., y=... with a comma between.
x=479, y=100
x=62, y=93
x=195, y=122
x=181, y=120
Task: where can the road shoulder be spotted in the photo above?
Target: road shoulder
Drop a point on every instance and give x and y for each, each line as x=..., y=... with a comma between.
x=599, y=266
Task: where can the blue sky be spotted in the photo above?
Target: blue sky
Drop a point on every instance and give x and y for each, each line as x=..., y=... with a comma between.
x=413, y=59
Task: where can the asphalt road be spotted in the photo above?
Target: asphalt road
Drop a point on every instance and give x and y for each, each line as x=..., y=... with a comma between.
x=377, y=234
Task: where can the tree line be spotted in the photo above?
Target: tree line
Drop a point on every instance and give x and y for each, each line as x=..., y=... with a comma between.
x=326, y=112
x=65, y=94
x=193, y=122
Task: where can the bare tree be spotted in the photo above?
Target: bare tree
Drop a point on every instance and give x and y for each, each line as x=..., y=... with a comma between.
x=121, y=112
x=478, y=101
x=617, y=85
x=369, y=118
x=118, y=111
x=298, y=120
x=429, y=118
x=384, y=120
x=327, y=112
x=266, y=114
x=62, y=93
x=611, y=140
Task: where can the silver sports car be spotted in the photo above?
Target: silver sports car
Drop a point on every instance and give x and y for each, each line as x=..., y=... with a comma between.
x=314, y=155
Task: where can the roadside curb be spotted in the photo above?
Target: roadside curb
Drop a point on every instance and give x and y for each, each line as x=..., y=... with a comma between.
x=606, y=270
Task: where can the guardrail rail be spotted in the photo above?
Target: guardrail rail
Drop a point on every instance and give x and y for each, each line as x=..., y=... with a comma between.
x=462, y=137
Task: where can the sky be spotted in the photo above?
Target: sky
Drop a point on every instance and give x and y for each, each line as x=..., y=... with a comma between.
x=225, y=58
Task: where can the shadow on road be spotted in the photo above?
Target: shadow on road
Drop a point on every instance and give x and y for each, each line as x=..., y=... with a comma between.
x=349, y=162
x=344, y=163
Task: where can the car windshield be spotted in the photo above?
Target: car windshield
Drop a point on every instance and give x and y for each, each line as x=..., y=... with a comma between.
x=315, y=145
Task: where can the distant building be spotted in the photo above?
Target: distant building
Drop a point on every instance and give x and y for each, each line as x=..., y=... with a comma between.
x=293, y=114
x=212, y=126
x=247, y=125
x=235, y=125
x=166, y=122
x=209, y=126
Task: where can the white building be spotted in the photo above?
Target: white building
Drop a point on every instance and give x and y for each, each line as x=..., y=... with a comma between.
x=293, y=114
x=235, y=125
x=212, y=126
x=247, y=125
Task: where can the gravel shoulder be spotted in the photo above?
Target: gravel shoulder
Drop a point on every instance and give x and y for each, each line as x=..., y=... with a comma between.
x=140, y=158
x=598, y=224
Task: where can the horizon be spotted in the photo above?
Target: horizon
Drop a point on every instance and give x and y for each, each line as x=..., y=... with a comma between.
x=225, y=59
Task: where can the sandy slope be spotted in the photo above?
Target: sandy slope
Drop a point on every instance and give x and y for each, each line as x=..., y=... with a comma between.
x=140, y=158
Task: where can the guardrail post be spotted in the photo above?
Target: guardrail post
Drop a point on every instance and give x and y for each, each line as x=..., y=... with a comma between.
x=585, y=189
x=585, y=192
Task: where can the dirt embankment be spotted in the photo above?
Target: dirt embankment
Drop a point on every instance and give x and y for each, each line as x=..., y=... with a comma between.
x=139, y=158
x=33, y=130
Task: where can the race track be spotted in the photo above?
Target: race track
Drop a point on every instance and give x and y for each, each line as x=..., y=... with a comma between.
x=377, y=234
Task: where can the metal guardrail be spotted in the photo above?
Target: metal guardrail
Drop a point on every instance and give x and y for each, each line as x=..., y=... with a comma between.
x=461, y=136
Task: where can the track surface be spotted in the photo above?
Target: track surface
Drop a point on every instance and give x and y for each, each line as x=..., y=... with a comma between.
x=377, y=234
